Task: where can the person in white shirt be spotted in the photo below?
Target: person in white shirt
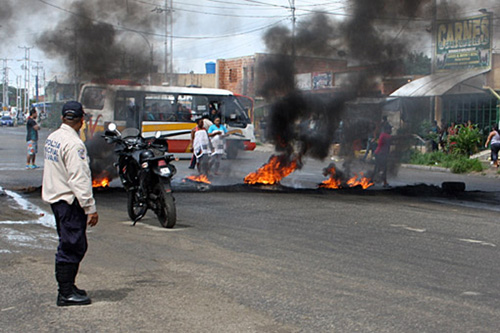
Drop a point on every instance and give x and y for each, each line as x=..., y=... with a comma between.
x=217, y=132
x=202, y=148
x=67, y=187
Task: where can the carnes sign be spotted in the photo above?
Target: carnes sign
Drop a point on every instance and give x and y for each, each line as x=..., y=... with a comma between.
x=464, y=43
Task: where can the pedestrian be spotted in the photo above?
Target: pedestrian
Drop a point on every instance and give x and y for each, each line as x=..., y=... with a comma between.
x=213, y=113
x=371, y=142
x=382, y=153
x=192, y=164
x=494, y=138
x=32, y=128
x=451, y=133
x=67, y=187
x=434, y=133
x=201, y=148
x=216, y=132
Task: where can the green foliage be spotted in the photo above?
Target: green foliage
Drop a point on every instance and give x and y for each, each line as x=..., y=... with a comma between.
x=427, y=132
x=464, y=164
x=417, y=64
x=467, y=140
x=455, y=162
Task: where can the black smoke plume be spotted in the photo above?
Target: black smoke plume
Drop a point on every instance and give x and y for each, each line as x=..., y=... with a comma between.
x=370, y=38
x=103, y=39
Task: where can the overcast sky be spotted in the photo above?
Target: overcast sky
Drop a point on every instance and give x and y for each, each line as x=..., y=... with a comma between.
x=204, y=30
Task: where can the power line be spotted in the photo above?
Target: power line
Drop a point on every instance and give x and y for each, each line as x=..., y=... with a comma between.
x=159, y=34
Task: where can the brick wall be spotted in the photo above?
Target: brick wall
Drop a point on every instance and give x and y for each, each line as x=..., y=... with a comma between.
x=237, y=75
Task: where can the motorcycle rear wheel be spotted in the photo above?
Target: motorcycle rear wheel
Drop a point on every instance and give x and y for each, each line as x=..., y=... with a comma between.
x=136, y=209
x=167, y=214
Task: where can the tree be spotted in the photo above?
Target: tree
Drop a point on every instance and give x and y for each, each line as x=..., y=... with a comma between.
x=417, y=64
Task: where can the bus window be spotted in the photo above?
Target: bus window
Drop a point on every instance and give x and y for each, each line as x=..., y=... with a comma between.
x=93, y=97
x=128, y=107
x=233, y=113
x=159, y=107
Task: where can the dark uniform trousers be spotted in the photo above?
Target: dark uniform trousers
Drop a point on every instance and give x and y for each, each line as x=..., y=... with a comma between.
x=71, y=223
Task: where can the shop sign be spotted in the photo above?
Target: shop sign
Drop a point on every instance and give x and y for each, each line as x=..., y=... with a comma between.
x=322, y=80
x=464, y=43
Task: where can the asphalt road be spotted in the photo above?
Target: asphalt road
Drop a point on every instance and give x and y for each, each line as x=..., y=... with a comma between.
x=263, y=259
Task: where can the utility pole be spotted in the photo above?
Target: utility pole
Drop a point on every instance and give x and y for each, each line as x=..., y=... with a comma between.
x=293, y=55
x=27, y=73
x=37, y=77
x=294, y=20
x=435, y=112
x=169, y=48
x=5, y=84
x=18, y=97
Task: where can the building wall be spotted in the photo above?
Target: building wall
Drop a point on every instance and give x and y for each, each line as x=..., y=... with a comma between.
x=494, y=77
x=191, y=79
x=241, y=75
x=237, y=75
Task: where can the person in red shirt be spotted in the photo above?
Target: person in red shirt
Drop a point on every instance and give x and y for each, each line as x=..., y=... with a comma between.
x=382, y=153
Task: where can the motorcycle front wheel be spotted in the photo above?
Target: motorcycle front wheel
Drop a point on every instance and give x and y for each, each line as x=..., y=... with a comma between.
x=135, y=208
x=166, y=213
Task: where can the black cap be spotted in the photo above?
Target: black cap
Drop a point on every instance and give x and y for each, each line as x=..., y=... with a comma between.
x=72, y=110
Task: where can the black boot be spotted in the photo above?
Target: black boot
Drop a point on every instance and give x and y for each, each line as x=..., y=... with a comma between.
x=75, y=288
x=65, y=279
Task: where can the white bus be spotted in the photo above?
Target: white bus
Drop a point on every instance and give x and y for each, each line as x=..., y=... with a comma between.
x=170, y=110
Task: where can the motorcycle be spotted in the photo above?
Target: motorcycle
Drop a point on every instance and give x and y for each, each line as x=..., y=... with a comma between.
x=145, y=175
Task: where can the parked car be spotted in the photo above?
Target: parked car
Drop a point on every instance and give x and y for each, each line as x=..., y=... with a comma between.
x=6, y=121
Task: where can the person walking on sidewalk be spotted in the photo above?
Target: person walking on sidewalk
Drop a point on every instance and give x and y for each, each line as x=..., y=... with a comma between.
x=67, y=187
x=494, y=138
x=32, y=129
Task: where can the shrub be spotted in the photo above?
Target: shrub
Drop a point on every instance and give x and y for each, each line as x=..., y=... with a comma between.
x=464, y=164
x=455, y=162
x=467, y=140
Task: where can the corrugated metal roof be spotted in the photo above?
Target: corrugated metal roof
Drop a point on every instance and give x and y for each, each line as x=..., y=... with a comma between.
x=436, y=84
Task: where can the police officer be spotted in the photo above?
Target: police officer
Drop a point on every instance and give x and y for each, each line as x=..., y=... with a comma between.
x=67, y=186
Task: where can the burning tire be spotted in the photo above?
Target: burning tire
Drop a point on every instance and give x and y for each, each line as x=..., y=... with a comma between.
x=167, y=214
x=136, y=209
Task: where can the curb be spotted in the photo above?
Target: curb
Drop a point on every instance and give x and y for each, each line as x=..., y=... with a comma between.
x=425, y=167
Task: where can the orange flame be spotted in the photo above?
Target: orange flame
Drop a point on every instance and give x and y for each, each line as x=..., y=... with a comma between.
x=199, y=179
x=331, y=183
x=335, y=183
x=360, y=180
x=102, y=180
x=271, y=173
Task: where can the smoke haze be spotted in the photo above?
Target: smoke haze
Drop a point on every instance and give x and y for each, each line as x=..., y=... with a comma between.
x=371, y=37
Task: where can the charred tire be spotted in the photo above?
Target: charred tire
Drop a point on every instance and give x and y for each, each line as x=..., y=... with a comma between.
x=136, y=210
x=167, y=215
x=453, y=187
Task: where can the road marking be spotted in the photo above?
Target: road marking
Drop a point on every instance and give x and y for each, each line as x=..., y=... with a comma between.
x=45, y=218
x=475, y=241
x=152, y=227
x=471, y=293
x=8, y=309
x=403, y=226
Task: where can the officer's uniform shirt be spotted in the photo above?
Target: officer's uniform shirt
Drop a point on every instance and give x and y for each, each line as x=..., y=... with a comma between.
x=66, y=173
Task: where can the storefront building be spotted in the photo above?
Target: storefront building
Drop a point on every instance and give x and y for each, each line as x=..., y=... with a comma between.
x=466, y=74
